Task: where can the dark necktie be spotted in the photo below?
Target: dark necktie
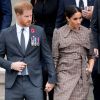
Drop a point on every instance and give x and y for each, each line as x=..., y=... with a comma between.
x=22, y=42
x=81, y=4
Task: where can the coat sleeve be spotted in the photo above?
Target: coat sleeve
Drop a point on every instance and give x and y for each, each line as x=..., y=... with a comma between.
x=94, y=25
x=47, y=56
x=4, y=63
x=55, y=47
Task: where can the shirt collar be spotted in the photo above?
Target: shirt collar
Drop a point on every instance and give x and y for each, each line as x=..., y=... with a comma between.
x=84, y=1
x=19, y=28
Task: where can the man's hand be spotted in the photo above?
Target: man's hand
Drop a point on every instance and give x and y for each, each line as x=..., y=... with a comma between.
x=49, y=87
x=18, y=66
x=87, y=14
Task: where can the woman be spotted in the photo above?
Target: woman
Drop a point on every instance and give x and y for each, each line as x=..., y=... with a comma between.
x=71, y=50
x=44, y=14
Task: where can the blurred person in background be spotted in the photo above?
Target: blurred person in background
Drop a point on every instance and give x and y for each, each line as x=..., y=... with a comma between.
x=95, y=27
x=85, y=5
x=5, y=14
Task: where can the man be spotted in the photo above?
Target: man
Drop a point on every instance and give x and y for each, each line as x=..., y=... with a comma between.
x=61, y=19
x=5, y=14
x=95, y=26
x=23, y=44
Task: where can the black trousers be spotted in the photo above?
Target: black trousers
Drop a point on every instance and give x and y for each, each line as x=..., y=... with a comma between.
x=96, y=84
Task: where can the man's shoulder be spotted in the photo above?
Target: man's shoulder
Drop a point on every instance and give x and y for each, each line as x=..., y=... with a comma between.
x=63, y=27
x=37, y=27
x=8, y=29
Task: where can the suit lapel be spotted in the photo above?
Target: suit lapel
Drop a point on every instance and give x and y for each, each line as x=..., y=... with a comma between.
x=69, y=2
x=74, y=2
x=14, y=36
x=29, y=42
x=29, y=46
x=32, y=31
x=90, y=2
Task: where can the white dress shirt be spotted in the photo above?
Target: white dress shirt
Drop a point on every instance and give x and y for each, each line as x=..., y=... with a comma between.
x=84, y=1
x=26, y=34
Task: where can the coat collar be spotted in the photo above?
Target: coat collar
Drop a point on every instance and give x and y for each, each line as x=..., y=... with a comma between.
x=66, y=30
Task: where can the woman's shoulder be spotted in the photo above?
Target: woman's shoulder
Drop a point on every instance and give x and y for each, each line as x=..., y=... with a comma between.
x=85, y=29
x=60, y=31
x=85, y=32
x=63, y=28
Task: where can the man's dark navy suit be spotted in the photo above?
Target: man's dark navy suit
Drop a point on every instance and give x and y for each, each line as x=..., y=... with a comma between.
x=10, y=46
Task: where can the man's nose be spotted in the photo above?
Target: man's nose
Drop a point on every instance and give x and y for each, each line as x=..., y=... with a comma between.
x=30, y=17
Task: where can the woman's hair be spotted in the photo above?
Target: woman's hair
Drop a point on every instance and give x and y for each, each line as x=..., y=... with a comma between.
x=22, y=5
x=71, y=10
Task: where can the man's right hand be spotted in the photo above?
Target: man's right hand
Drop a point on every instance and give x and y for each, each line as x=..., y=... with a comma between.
x=18, y=66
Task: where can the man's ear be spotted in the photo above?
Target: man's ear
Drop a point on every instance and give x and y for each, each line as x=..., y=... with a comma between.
x=17, y=15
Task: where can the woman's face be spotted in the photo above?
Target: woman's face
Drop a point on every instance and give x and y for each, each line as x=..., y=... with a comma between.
x=75, y=20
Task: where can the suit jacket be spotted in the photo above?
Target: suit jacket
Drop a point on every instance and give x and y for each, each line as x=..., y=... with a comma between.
x=61, y=19
x=10, y=46
x=95, y=27
x=5, y=13
x=95, y=24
